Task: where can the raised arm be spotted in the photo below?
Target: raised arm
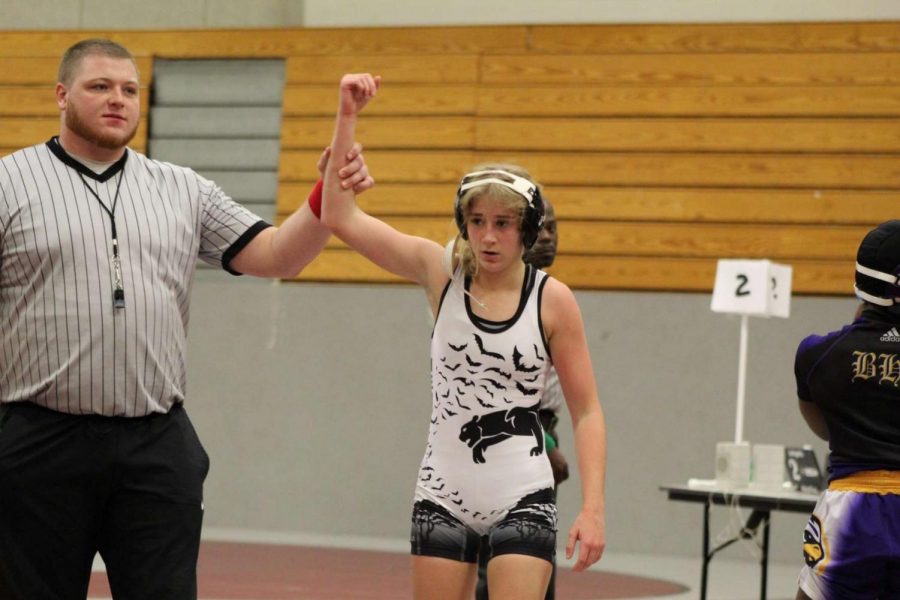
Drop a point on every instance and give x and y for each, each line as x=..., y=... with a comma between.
x=571, y=358
x=411, y=257
x=286, y=250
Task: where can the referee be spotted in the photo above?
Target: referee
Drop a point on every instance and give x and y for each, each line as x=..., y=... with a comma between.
x=97, y=254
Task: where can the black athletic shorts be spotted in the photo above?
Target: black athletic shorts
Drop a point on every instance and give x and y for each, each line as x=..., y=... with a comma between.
x=529, y=528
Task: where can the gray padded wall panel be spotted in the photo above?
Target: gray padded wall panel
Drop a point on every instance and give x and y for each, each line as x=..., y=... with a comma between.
x=218, y=82
x=223, y=119
x=255, y=187
x=219, y=154
x=216, y=121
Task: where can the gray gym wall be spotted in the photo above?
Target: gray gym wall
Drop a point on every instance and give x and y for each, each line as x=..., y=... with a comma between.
x=312, y=399
x=222, y=118
x=313, y=403
x=194, y=14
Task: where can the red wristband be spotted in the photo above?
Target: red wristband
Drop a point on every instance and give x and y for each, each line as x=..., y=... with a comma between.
x=315, y=199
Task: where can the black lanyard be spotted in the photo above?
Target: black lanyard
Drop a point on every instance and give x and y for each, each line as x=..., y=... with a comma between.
x=119, y=291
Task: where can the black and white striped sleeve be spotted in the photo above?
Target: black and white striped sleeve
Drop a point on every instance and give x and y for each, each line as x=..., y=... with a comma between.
x=226, y=226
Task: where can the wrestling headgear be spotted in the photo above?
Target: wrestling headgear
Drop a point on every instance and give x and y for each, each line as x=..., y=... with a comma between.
x=532, y=218
x=878, y=265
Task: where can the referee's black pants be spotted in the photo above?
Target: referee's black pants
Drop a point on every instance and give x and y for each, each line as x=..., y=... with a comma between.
x=71, y=486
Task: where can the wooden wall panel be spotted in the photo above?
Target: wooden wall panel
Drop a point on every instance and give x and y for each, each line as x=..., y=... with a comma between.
x=835, y=171
x=341, y=265
x=738, y=37
x=319, y=100
x=650, y=169
x=18, y=133
x=723, y=205
x=689, y=135
x=568, y=100
x=881, y=68
x=663, y=147
x=610, y=273
x=636, y=204
x=42, y=71
x=397, y=199
x=388, y=165
x=21, y=101
x=688, y=275
x=731, y=170
x=394, y=68
x=427, y=133
x=668, y=240
x=275, y=43
x=40, y=101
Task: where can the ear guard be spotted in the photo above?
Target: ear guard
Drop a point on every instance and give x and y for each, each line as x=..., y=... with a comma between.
x=532, y=219
x=893, y=281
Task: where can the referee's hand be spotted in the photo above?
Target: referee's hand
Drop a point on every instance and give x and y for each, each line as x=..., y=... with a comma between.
x=355, y=173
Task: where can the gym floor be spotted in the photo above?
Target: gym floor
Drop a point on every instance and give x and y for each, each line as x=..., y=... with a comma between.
x=262, y=571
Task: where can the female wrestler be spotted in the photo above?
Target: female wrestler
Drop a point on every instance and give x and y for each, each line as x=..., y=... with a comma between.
x=499, y=325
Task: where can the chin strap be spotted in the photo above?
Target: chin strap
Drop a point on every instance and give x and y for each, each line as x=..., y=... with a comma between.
x=886, y=277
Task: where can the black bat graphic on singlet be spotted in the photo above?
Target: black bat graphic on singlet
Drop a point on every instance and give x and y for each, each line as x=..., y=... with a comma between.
x=502, y=373
x=520, y=366
x=525, y=390
x=460, y=404
x=484, y=351
x=483, y=403
x=497, y=385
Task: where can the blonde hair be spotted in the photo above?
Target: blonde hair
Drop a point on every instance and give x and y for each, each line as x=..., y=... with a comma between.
x=501, y=194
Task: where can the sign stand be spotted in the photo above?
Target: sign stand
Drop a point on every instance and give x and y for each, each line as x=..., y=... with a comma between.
x=750, y=288
x=742, y=380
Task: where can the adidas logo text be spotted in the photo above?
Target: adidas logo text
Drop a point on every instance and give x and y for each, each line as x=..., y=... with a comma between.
x=891, y=336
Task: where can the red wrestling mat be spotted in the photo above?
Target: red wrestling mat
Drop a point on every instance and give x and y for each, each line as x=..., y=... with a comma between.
x=233, y=571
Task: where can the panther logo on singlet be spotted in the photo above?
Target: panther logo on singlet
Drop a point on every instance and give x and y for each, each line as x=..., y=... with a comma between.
x=813, y=550
x=495, y=427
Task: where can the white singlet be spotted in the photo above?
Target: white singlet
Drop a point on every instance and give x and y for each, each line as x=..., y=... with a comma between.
x=485, y=446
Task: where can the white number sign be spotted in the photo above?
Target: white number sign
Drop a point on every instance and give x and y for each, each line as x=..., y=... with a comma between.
x=752, y=287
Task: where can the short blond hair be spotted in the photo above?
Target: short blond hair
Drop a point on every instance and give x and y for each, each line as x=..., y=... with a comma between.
x=72, y=57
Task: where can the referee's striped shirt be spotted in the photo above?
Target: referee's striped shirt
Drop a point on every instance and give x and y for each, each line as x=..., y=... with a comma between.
x=63, y=344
